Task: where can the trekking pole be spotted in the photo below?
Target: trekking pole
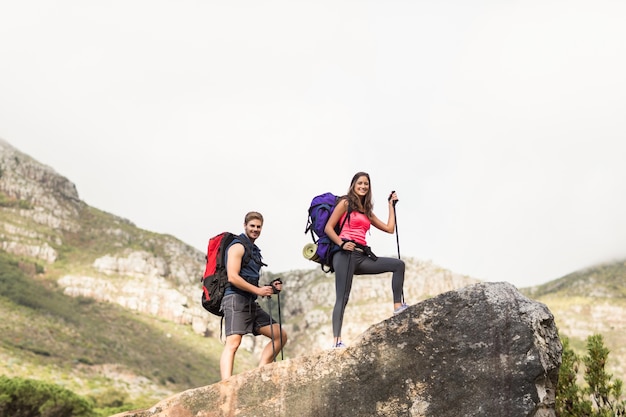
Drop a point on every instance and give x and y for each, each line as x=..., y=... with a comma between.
x=269, y=306
x=280, y=330
x=397, y=237
x=395, y=217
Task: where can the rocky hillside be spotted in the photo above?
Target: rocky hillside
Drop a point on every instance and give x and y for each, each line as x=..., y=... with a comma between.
x=90, y=252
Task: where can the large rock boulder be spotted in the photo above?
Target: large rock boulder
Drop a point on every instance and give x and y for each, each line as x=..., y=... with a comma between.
x=484, y=350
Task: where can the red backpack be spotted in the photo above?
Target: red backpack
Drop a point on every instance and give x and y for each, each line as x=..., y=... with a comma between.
x=215, y=278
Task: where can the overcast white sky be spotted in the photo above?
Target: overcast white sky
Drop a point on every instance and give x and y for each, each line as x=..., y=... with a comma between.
x=501, y=124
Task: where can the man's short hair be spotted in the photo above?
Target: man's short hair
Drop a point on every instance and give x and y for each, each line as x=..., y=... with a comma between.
x=253, y=215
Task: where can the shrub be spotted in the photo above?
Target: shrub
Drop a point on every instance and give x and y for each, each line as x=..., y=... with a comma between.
x=602, y=397
x=606, y=395
x=20, y=397
x=570, y=400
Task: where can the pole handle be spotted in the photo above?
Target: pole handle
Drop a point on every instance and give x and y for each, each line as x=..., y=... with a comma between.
x=389, y=199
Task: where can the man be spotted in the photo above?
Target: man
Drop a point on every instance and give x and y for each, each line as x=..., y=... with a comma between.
x=242, y=313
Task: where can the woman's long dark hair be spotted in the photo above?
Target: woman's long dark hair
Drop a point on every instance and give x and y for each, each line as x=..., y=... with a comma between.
x=355, y=202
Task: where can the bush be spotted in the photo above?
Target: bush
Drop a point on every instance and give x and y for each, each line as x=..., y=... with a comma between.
x=602, y=397
x=606, y=395
x=20, y=397
x=570, y=400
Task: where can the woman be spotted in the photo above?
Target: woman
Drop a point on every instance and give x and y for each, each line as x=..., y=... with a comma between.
x=355, y=256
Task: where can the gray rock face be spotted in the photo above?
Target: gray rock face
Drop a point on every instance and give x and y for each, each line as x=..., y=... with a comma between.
x=484, y=350
x=53, y=197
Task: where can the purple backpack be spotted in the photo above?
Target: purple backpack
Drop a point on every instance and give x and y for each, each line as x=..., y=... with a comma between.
x=319, y=212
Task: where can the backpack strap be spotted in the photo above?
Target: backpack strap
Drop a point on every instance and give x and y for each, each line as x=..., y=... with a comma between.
x=247, y=254
x=345, y=219
x=248, y=251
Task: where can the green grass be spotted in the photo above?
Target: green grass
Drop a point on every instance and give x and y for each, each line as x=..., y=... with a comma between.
x=57, y=338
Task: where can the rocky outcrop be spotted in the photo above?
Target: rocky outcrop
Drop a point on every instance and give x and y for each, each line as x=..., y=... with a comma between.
x=47, y=198
x=162, y=286
x=483, y=350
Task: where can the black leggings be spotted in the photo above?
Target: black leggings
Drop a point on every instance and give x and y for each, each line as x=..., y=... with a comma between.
x=349, y=263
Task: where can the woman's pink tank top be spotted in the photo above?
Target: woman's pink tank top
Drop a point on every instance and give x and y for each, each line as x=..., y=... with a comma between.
x=355, y=228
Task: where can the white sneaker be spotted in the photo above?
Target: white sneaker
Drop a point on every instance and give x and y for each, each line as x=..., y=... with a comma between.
x=400, y=309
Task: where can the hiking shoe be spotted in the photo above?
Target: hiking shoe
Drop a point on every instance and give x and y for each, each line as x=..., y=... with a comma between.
x=400, y=309
x=339, y=345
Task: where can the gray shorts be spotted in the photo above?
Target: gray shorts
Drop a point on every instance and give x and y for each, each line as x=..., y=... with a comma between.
x=243, y=315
